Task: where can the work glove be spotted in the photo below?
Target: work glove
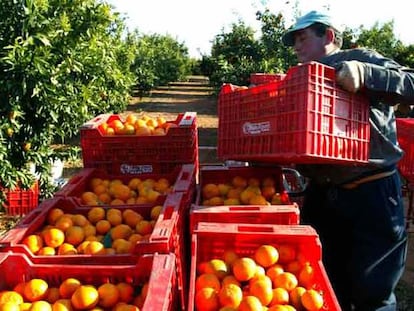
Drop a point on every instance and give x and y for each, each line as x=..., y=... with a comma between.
x=350, y=75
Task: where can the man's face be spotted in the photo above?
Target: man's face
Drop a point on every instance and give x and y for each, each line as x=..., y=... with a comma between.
x=308, y=46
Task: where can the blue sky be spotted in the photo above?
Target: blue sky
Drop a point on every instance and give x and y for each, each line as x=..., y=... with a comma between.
x=196, y=22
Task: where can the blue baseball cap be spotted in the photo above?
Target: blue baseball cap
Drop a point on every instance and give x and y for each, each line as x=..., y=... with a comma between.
x=304, y=22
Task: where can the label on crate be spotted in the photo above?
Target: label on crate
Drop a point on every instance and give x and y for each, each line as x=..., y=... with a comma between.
x=136, y=169
x=256, y=128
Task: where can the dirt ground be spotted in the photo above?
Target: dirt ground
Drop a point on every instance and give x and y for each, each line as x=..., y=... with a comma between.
x=196, y=96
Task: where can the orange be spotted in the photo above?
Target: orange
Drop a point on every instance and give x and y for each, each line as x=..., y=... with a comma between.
x=94, y=248
x=25, y=306
x=210, y=190
x=132, y=219
x=143, y=227
x=67, y=249
x=89, y=198
x=68, y=287
x=274, y=270
x=250, y=303
x=231, y=201
x=89, y=230
x=104, y=198
x=266, y=255
x=244, y=268
x=80, y=220
x=94, y=181
x=294, y=266
x=126, y=292
x=46, y=251
x=239, y=182
x=40, y=305
x=258, y=200
x=206, y=299
x=155, y=211
x=53, y=215
x=286, y=280
x=95, y=214
x=280, y=296
x=108, y=295
x=64, y=222
x=120, y=191
x=99, y=189
x=207, y=280
x=10, y=296
x=62, y=305
x=74, y=235
x=34, y=242
x=217, y=267
x=287, y=253
x=103, y=226
x=312, y=300
x=230, y=295
x=295, y=297
x=246, y=195
x=306, y=276
x=268, y=192
x=9, y=306
x=133, y=183
x=125, y=307
x=85, y=297
x=229, y=256
x=35, y=289
x=53, y=237
x=114, y=216
x=234, y=193
x=52, y=294
x=19, y=288
x=121, y=231
x=262, y=290
x=280, y=307
x=230, y=279
x=253, y=181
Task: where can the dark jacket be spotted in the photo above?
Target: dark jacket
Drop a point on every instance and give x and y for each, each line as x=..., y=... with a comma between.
x=386, y=83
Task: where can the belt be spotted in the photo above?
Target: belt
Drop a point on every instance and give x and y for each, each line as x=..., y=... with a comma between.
x=356, y=183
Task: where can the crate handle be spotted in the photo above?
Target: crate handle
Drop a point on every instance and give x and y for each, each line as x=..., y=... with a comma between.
x=188, y=119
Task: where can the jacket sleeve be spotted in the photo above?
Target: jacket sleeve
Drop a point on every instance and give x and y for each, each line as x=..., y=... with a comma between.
x=385, y=80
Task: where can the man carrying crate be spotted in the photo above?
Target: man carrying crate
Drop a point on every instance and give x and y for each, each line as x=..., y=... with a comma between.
x=358, y=210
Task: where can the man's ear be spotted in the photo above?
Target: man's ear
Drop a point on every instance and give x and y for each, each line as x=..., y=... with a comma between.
x=330, y=35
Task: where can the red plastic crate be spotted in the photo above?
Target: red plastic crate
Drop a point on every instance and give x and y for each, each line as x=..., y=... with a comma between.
x=245, y=214
x=130, y=154
x=210, y=240
x=181, y=177
x=20, y=201
x=405, y=135
x=260, y=78
x=304, y=118
x=168, y=235
x=157, y=269
x=223, y=174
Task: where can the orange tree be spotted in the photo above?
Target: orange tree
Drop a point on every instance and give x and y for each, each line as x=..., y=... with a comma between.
x=62, y=62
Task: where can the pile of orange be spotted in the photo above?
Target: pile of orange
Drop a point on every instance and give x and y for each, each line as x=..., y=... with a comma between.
x=103, y=191
x=99, y=232
x=71, y=294
x=243, y=191
x=274, y=278
x=134, y=124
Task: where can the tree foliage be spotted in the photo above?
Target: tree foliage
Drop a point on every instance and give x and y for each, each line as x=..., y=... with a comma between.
x=232, y=62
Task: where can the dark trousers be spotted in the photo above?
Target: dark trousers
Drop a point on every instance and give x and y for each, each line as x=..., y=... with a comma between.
x=364, y=241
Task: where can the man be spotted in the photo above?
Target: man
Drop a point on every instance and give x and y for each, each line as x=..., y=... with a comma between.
x=358, y=210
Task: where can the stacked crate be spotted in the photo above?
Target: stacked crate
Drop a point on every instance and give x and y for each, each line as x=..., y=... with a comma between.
x=154, y=262
x=275, y=123
x=405, y=135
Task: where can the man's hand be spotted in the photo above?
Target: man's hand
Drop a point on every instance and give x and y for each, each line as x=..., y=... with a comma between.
x=350, y=75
